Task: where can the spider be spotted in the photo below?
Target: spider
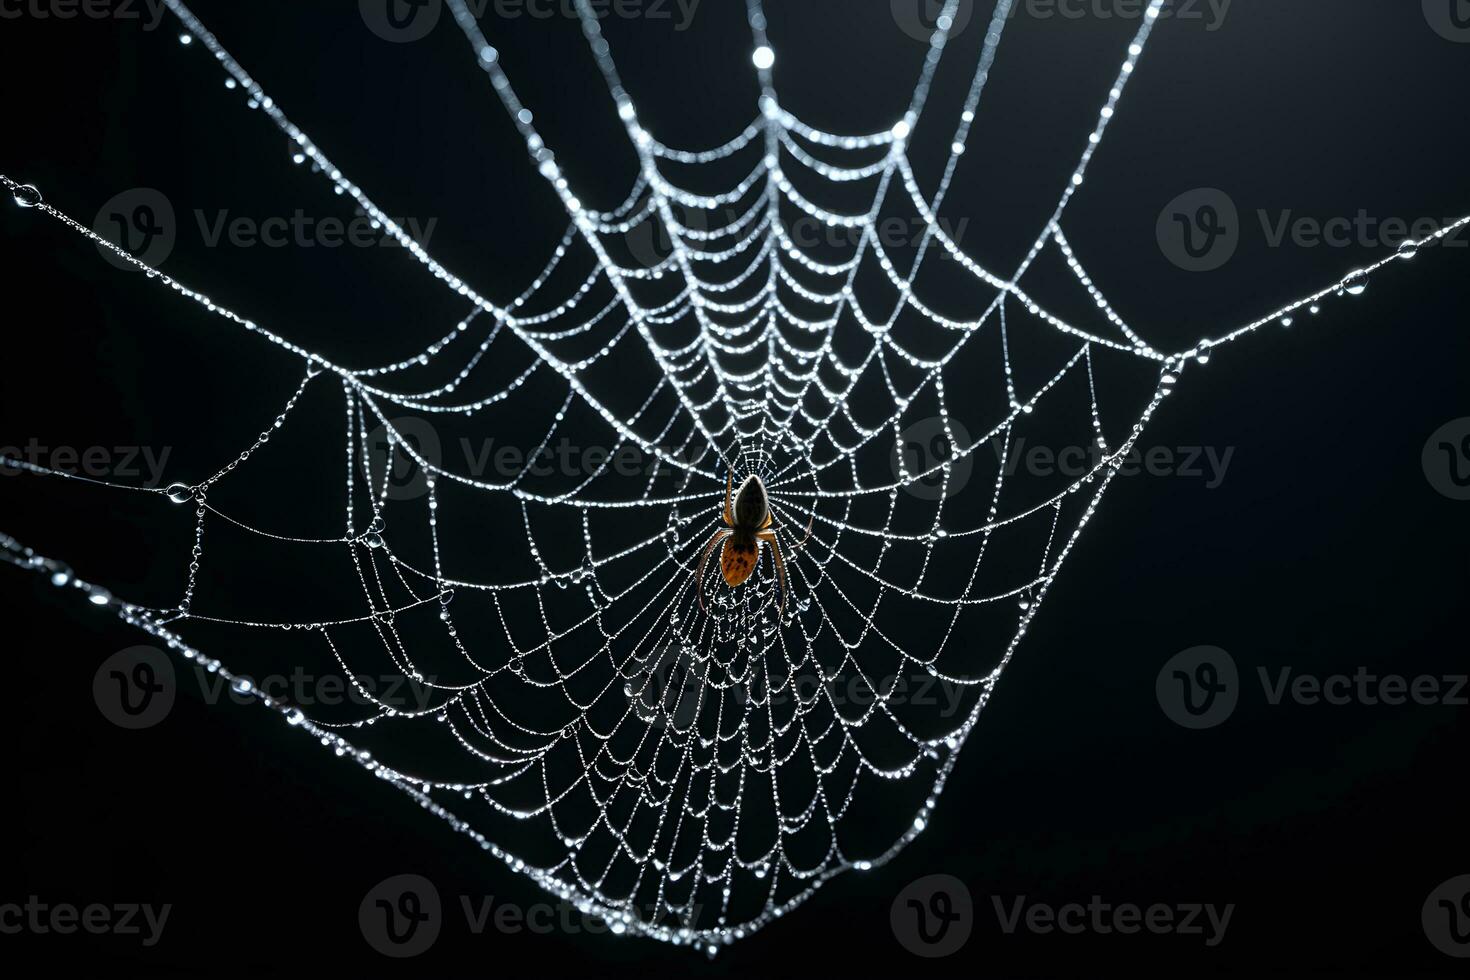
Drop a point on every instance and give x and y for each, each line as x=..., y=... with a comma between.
x=749, y=523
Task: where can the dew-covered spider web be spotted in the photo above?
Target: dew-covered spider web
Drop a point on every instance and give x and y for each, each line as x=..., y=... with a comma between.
x=688, y=770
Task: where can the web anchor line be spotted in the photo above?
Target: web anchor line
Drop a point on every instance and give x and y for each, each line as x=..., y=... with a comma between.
x=686, y=759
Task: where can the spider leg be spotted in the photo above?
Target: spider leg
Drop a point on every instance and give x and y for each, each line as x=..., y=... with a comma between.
x=720, y=535
x=808, y=536
x=804, y=540
x=729, y=486
x=770, y=538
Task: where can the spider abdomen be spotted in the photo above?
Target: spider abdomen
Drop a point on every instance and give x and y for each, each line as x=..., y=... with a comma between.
x=739, y=558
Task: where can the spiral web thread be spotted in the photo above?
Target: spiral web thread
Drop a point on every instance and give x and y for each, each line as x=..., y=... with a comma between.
x=692, y=770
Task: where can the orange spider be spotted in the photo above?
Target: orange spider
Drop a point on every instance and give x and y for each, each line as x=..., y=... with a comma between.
x=749, y=523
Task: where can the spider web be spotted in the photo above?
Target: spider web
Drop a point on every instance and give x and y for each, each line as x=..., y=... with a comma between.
x=691, y=770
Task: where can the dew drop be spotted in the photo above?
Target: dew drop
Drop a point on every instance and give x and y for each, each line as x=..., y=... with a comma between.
x=373, y=539
x=27, y=196
x=1356, y=284
x=1408, y=248
x=179, y=493
x=242, y=685
x=295, y=717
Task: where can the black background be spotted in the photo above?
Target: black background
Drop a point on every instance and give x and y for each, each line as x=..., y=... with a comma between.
x=1324, y=549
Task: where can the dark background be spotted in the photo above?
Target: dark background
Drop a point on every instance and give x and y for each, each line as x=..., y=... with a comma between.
x=1324, y=549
